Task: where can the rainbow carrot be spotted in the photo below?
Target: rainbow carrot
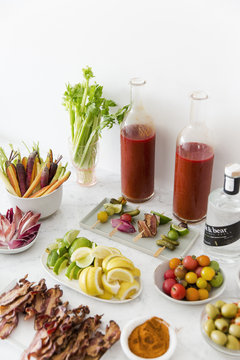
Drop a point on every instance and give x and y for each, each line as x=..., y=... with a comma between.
x=24, y=162
x=12, y=173
x=40, y=192
x=58, y=183
x=35, y=182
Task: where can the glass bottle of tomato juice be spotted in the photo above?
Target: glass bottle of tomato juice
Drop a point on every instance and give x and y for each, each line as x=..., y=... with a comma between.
x=193, y=164
x=137, y=149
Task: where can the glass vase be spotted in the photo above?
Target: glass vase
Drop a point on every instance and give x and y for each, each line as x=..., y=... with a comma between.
x=84, y=161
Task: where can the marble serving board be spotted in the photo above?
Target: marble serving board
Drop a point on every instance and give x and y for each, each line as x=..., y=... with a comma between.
x=146, y=245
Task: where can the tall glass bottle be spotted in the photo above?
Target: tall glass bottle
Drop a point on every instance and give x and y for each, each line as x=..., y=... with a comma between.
x=193, y=164
x=137, y=148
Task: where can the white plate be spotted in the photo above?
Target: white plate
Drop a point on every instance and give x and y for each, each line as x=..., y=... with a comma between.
x=73, y=284
x=146, y=245
x=18, y=250
x=131, y=325
x=222, y=349
x=159, y=279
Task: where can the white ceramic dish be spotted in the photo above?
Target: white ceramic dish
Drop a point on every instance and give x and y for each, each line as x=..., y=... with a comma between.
x=219, y=348
x=159, y=279
x=131, y=325
x=238, y=277
x=45, y=205
x=73, y=284
x=18, y=250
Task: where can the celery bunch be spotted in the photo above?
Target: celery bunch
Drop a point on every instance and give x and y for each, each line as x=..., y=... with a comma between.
x=89, y=114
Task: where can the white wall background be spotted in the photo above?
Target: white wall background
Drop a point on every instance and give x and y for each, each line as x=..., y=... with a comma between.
x=176, y=45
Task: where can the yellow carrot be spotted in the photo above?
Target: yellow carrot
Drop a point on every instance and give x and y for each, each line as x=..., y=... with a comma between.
x=35, y=182
x=7, y=183
x=34, y=170
x=57, y=183
x=41, y=191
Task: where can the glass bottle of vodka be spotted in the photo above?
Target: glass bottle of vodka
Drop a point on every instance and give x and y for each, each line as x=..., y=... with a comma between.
x=222, y=228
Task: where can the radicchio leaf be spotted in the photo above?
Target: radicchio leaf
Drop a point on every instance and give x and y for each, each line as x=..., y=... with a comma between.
x=123, y=225
x=9, y=215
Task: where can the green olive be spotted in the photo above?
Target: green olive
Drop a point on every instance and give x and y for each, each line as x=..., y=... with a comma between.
x=232, y=343
x=218, y=337
x=209, y=326
x=219, y=304
x=234, y=330
x=229, y=310
x=222, y=324
x=211, y=311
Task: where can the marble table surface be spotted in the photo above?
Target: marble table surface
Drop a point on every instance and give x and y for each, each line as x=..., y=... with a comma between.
x=77, y=202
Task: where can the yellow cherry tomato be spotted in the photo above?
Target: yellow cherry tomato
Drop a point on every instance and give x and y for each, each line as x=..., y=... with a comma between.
x=203, y=294
x=207, y=273
x=201, y=283
x=191, y=277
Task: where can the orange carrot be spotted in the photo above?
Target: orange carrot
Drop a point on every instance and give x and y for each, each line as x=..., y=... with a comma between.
x=35, y=182
x=41, y=191
x=12, y=176
x=24, y=162
x=57, y=183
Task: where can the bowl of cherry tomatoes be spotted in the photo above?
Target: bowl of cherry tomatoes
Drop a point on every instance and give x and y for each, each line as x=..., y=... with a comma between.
x=191, y=280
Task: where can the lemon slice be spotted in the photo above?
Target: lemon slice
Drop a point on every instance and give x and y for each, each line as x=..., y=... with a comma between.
x=128, y=289
x=83, y=279
x=120, y=274
x=136, y=272
x=80, y=253
x=106, y=260
x=94, y=281
x=106, y=295
x=120, y=262
x=101, y=251
x=70, y=236
x=111, y=287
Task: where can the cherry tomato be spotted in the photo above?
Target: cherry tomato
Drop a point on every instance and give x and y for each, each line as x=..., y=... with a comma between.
x=198, y=271
x=192, y=294
x=190, y=263
x=126, y=217
x=207, y=273
x=178, y=291
x=169, y=274
x=203, y=260
x=180, y=272
x=167, y=285
x=191, y=277
x=201, y=283
x=174, y=262
x=203, y=294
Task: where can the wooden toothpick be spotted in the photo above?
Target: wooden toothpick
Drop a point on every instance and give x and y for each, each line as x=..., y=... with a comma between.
x=95, y=224
x=159, y=251
x=114, y=230
x=138, y=237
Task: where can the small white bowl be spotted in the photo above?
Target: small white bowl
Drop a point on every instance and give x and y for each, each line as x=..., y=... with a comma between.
x=159, y=279
x=45, y=205
x=131, y=325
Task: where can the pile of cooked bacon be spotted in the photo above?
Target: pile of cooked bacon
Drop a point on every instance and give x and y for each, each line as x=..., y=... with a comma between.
x=148, y=226
x=60, y=333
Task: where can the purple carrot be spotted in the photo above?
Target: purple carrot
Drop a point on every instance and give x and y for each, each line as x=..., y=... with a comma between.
x=53, y=168
x=21, y=175
x=44, y=177
x=30, y=165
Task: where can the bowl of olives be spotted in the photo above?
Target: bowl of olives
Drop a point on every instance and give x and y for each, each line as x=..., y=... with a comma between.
x=220, y=326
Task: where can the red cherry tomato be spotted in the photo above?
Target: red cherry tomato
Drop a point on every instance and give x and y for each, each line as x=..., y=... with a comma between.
x=126, y=217
x=167, y=285
x=169, y=274
x=178, y=291
x=190, y=263
x=198, y=271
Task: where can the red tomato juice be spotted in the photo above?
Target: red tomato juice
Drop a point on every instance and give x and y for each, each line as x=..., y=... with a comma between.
x=193, y=175
x=137, y=162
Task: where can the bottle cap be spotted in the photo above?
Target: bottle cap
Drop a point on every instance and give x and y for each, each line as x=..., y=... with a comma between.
x=232, y=170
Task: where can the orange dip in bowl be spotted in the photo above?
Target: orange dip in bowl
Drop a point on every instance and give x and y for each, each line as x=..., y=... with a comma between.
x=150, y=339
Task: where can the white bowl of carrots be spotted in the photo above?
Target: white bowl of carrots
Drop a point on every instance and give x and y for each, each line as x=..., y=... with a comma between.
x=46, y=205
x=32, y=183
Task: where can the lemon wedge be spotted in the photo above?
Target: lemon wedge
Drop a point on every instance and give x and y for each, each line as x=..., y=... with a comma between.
x=106, y=295
x=128, y=289
x=120, y=274
x=94, y=281
x=136, y=272
x=106, y=260
x=82, y=279
x=119, y=262
x=111, y=287
x=97, y=262
x=101, y=251
x=115, y=250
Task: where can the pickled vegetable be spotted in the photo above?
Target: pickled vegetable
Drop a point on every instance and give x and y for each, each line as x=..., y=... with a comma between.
x=218, y=337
